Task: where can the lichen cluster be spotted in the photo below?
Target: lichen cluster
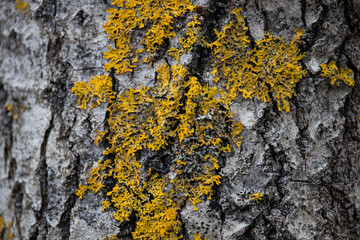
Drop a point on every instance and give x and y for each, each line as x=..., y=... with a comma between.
x=180, y=120
x=99, y=90
x=335, y=75
x=186, y=45
x=155, y=16
x=256, y=196
x=188, y=125
x=20, y=5
x=165, y=144
x=270, y=70
x=5, y=229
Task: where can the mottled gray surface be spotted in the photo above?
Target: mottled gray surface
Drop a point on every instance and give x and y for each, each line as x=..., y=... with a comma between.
x=306, y=162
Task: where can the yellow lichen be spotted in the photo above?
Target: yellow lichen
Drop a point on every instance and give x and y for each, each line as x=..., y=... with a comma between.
x=128, y=16
x=158, y=119
x=20, y=5
x=9, y=235
x=178, y=111
x=197, y=236
x=269, y=71
x=111, y=237
x=99, y=89
x=332, y=72
x=2, y=224
x=187, y=44
x=9, y=106
x=256, y=196
x=80, y=192
x=187, y=125
x=159, y=218
x=14, y=108
x=6, y=230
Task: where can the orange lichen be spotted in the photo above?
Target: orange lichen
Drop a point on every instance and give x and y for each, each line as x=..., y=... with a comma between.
x=99, y=89
x=332, y=72
x=187, y=44
x=159, y=119
x=276, y=67
x=20, y=5
x=256, y=196
x=111, y=237
x=155, y=16
x=187, y=125
x=271, y=68
x=197, y=236
x=14, y=108
x=80, y=192
x=5, y=230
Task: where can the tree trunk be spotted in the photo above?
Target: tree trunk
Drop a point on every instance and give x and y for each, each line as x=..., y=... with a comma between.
x=306, y=163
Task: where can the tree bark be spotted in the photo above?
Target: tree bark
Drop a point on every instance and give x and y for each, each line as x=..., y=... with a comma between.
x=305, y=162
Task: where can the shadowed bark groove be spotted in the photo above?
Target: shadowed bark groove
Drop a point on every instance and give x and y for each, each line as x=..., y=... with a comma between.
x=42, y=172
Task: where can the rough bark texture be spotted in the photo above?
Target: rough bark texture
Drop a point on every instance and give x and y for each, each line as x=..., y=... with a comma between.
x=306, y=162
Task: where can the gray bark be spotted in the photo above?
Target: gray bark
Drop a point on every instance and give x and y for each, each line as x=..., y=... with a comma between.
x=306, y=162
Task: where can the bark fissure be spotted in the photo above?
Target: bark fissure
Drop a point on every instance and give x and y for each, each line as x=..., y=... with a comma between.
x=18, y=195
x=42, y=172
x=73, y=179
x=6, y=126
